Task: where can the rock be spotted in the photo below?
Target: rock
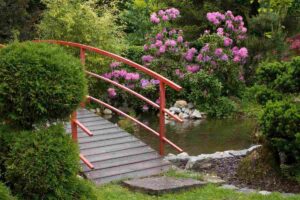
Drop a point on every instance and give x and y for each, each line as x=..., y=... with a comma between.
x=263, y=192
x=190, y=105
x=175, y=110
x=183, y=155
x=186, y=110
x=229, y=187
x=237, y=153
x=107, y=112
x=253, y=148
x=196, y=115
x=180, y=104
x=213, y=179
x=203, y=165
x=183, y=116
x=246, y=190
x=98, y=110
x=93, y=110
x=163, y=184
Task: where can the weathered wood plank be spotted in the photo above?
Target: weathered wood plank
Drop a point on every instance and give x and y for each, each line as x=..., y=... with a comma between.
x=114, y=153
x=108, y=143
x=123, y=169
x=135, y=174
x=101, y=137
x=95, y=153
x=123, y=161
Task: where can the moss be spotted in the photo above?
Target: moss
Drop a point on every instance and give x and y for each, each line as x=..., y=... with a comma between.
x=259, y=166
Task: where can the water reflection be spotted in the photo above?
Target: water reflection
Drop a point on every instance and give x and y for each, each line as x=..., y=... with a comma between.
x=200, y=136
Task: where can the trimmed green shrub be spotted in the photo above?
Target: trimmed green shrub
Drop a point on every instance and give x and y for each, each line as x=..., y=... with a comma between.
x=203, y=88
x=5, y=193
x=267, y=73
x=280, y=125
x=7, y=137
x=223, y=107
x=134, y=53
x=43, y=164
x=264, y=94
x=38, y=83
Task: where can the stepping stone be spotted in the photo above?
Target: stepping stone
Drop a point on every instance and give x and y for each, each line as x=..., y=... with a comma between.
x=161, y=185
x=229, y=187
x=213, y=179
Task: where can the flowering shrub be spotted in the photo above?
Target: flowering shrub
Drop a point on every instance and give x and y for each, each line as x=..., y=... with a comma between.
x=218, y=54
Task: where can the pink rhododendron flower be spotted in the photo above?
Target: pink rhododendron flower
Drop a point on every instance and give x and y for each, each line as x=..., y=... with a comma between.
x=180, y=39
x=224, y=57
x=115, y=64
x=243, y=52
x=145, y=108
x=147, y=58
x=218, y=51
x=111, y=92
x=193, y=68
x=220, y=31
x=227, y=42
x=146, y=47
x=154, y=19
x=199, y=57
x=237, y=59
x=162, y=49
x=165, y=18
x=158, y=43
x=205, y=48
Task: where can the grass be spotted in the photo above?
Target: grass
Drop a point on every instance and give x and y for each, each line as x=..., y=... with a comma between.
x=210, y=192
x=115, y=191
x=184, y=174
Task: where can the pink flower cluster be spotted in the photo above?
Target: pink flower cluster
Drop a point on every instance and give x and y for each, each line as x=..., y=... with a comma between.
x=239, y=54
x=111, y=92
x=164, y=15
x=145, y=83
x=232, y=26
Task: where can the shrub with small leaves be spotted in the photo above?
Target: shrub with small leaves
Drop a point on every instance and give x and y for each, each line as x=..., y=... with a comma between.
x=38, y=83
x=280, y=125
x=43, y=164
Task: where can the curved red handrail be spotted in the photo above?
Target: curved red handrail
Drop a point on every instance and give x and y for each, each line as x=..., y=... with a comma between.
x=135, y=120
x=134, y=93
x=118, y=58
x=163, y=82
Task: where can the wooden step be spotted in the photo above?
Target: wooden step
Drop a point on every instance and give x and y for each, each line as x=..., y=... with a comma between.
x=114, y=153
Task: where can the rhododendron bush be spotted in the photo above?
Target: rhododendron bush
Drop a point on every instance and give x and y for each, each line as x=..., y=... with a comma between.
x=217, y=52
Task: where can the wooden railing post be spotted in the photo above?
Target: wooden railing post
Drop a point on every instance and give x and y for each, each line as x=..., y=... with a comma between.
x=74, y=126
x=82, y=56
x=162, y=99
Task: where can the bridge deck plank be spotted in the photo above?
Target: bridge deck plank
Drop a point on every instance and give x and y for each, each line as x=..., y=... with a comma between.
x=115, y=154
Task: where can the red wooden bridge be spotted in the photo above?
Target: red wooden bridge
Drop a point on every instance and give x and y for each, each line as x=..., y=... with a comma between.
x=107, y=152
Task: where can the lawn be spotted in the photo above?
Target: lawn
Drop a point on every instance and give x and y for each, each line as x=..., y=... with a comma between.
x=116, y=192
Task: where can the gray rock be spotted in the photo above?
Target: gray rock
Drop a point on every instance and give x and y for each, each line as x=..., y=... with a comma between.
x=229, y=187
x=98, y=110
x=263, y=192
x=175, y=110
x=213, y=179
x=196, y=115
x=161, y=185
x=180, y=104
x=183, y=116
x=246, y=190
x=190, y=105
x=186, y=110
x=107, y=112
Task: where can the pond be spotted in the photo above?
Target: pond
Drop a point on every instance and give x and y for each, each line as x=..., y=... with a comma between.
x=199, y=136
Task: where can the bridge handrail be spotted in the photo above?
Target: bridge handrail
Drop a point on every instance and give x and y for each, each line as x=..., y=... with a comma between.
x=118, y=58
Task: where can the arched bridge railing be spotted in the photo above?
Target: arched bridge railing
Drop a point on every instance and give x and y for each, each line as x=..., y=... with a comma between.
x=163, y=82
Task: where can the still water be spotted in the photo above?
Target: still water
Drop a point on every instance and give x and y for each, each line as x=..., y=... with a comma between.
x=200, y=136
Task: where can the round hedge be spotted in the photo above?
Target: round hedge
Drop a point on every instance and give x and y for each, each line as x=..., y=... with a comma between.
x=39, y=82
x=280, y=124
x=43, y=164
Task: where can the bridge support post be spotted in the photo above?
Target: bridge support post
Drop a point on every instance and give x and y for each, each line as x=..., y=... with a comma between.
x=162, y=100
x=74, y=126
